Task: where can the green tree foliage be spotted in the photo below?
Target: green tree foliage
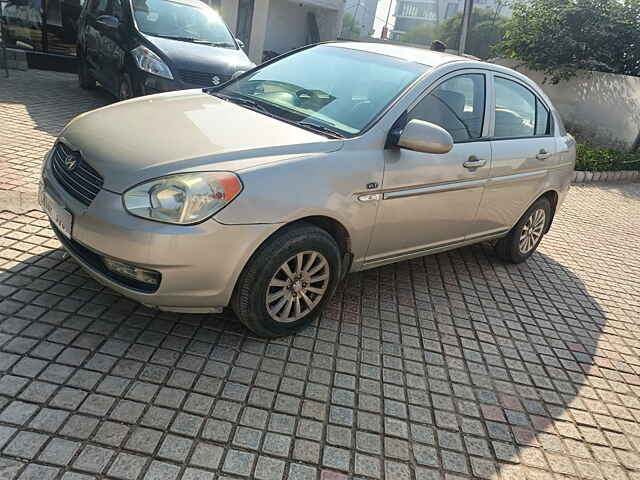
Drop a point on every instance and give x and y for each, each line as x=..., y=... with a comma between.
x=561, y=37
x=350, y=29
x=420, y=35
x=486, y=30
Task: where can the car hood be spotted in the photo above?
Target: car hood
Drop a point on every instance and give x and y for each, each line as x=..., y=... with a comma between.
x=144, y=138
x=194, y=57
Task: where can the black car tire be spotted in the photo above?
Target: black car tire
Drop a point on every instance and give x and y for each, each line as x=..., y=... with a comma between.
x=254, y=286
x=509, y=248
x=85, y=79
x=125, y=88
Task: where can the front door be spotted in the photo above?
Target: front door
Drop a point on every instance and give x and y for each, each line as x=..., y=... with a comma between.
x=430, y=201
x=93, y=37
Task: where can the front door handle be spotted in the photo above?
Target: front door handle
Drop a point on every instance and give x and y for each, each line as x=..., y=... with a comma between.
x=543, y=155
x=474, y=162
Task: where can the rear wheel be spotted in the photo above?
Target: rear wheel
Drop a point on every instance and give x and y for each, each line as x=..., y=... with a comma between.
x=85, y=79
x=288, y=281
x=524, y=238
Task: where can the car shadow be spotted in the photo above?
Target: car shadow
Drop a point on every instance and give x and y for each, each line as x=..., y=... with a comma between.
x=458, y=352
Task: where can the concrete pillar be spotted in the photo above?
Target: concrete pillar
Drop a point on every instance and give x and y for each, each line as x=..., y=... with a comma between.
x=258, y=30
x=229, y=13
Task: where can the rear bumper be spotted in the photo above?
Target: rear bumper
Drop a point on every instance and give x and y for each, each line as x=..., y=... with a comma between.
x=199, y=264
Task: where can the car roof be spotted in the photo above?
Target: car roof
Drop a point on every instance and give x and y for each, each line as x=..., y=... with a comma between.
x=427, y=57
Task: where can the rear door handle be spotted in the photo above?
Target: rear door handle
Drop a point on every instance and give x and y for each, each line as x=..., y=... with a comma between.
x=543, y=155
x=474, y=162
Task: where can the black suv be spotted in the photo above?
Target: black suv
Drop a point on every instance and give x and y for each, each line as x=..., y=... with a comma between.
x=139, y=47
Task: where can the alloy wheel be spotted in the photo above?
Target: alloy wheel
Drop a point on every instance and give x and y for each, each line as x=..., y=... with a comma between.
x=297, y=286
x=532, y=231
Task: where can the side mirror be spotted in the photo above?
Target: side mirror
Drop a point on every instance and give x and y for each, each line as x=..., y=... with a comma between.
x=240, y=42
x=108, y=21
x=425, y=137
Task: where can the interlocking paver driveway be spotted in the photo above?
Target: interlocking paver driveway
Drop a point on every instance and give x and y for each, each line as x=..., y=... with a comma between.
x=34, y=106
x=452, y=366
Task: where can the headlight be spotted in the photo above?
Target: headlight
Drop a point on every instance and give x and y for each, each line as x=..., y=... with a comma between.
x=184, y=199
x=150, y=62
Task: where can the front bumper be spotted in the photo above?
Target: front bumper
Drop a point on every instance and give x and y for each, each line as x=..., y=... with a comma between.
x=199, y=264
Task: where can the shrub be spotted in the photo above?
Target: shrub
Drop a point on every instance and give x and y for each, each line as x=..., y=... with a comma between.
x=597, y=159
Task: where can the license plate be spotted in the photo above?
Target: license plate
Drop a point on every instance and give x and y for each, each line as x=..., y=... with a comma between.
x=61, y=218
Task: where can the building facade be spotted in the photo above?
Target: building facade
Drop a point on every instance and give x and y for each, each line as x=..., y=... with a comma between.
x=364, y=14
x=413, y=13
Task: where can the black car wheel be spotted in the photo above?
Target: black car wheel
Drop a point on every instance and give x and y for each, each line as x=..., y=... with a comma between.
x=85, y=79
x=288, y=281
x=524, y=238
x=125, y=91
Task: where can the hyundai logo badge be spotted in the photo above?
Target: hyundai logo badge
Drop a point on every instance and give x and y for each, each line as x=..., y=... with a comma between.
x=70, y=162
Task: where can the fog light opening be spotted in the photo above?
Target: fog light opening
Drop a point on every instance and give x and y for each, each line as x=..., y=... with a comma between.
x=131, y=271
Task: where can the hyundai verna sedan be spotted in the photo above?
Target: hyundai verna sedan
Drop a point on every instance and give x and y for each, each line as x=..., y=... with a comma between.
x=263, y=193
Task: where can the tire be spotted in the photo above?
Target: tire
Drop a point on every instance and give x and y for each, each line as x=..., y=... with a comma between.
x=515, y=248
x=265, y=268
x=85, y=79
x=125, y=88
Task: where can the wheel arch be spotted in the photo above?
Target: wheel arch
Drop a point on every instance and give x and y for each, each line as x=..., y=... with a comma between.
x=553, y=197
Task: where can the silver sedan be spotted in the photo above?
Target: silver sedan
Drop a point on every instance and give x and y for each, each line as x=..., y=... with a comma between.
x=263, y=193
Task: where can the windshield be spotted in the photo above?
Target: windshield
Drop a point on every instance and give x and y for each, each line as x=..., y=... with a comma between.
x=164, y=18
x=339, y=88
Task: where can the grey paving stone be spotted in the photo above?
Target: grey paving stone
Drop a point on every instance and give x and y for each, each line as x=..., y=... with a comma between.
x=247, y=438
x=187, y=424
x=158, y=417
x=93, y=459
x=161, y=471
x=127, y=467
x=269, y=469
x=366, y=465
x=38, y=472
x=175, y=448
x=97, y=405
x=301, y=472
x=276, y=444
x=143, y=440
x=25, y=445
x=9, y=468
x=79, y=426
x=127, y=411
x=336, y=458
x=5, y=434
x=238, y=463
x=18, y=413
x=59, y=451
x=207, y=455
x=111, y=433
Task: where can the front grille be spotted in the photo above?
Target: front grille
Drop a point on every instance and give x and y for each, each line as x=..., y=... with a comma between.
x=75, y=175
x=202, y=79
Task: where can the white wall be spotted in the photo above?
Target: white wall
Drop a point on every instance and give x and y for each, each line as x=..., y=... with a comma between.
x=287, y=24
x=600, y=107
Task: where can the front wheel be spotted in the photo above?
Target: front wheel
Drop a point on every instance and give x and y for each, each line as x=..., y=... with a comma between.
x=524, y=238
x=85, y=79
x=288, y=281
x=125, y=90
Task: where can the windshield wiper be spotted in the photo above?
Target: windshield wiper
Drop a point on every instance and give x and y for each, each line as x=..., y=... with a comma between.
x=185, y=39
x=331, y=132
x=245, y=101
x=223, y=45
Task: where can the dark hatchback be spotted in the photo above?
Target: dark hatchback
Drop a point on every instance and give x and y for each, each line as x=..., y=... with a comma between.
x=140, y=47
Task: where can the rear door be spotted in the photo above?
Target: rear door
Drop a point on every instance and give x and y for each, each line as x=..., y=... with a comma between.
x=524, y=149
